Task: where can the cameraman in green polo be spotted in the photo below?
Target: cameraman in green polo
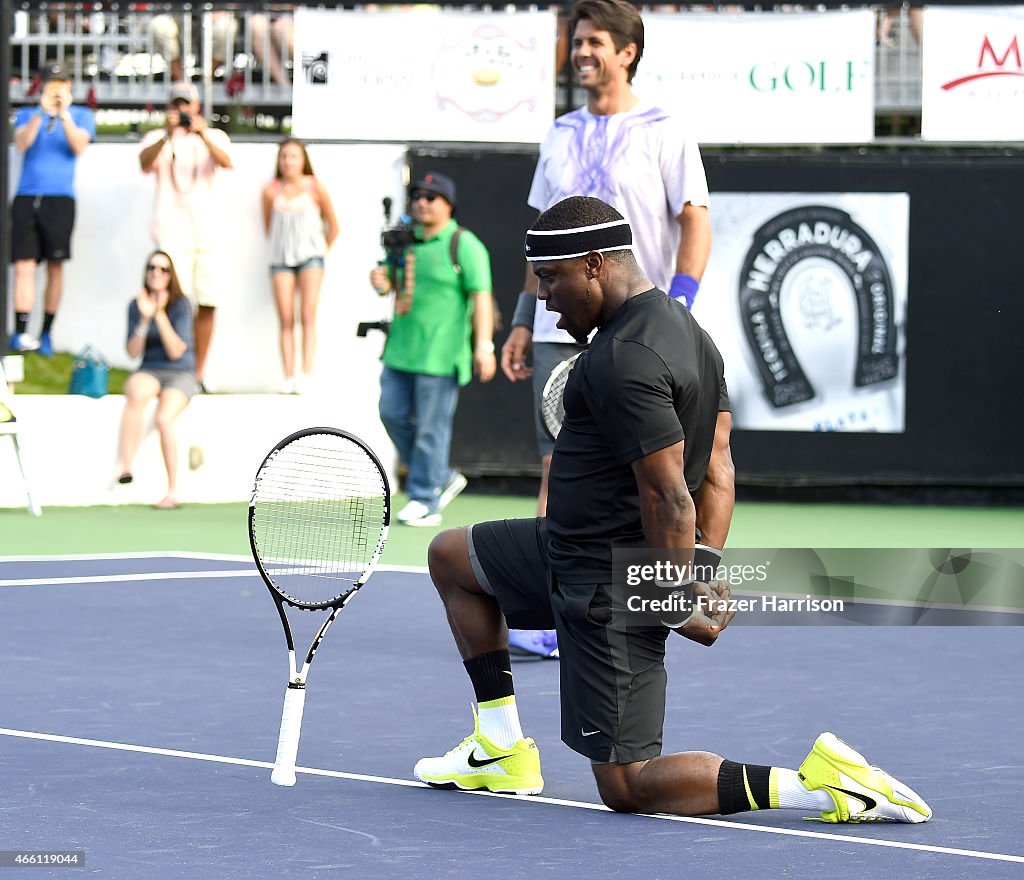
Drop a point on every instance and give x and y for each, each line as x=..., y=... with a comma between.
x=442, y=334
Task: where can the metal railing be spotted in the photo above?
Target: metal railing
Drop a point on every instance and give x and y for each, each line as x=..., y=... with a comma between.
x=128, y=58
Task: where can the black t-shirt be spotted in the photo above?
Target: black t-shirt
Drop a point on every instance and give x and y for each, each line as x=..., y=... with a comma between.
x=651, y=378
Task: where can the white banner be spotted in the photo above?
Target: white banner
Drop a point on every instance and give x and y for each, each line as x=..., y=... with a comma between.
x=776, y=78
x=972, y=86
x=806, y=297
x=423, y=75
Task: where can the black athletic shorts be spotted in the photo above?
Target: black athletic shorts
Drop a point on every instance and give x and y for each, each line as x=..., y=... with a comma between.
x=612, y=678
x=41, y=228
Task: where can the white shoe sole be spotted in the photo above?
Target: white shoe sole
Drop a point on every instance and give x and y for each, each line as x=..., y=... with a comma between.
x=452, y=491
x=885, y=808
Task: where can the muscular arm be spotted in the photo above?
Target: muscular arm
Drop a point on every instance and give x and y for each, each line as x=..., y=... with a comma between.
x=694, y=240
x=666, y=508
x=219, y=155
x=148, y=155
x=669, y=517
x=483, y=335
x=173, y=344
x=78, y=138
x=328, y=214
x=25, y=135
x=268, y=204
x=718, y=494
x=520, y=339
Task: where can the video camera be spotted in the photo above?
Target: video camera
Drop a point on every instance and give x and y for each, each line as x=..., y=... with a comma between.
x=366, y=326
x=395, y=239
x=398, y=238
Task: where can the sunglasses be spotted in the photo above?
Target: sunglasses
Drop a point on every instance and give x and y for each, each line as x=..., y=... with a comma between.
x=420, y=194
x=152, y=267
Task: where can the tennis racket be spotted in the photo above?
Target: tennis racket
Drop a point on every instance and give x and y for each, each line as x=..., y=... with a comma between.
x=318, y=520
x=552, y=411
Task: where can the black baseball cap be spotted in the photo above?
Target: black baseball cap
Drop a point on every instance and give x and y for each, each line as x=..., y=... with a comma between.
x=441, y=184
x=56, y=70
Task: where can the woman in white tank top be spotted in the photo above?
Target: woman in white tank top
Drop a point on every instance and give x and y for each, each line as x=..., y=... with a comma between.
x=301, y=225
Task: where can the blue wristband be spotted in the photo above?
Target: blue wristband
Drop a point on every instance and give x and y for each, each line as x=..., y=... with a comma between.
x=684, y=287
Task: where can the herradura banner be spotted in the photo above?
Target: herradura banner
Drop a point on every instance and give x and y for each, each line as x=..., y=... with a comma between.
x=424, y=74
x=763, y=78
x=972, y=85
x=806, y=297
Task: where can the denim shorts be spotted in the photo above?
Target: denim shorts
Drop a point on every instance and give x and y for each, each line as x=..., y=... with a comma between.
x=311, y=263
x=181, y=380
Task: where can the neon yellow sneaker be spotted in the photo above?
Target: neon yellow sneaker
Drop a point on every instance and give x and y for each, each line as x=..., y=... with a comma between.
x=477, y=763
x=862, y=793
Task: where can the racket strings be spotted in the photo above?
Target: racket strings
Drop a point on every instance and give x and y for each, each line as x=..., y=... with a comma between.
x=320, y=513
x=552, y=406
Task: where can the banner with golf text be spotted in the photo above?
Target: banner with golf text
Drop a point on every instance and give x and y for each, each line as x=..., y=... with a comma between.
x=805, y=295
x=972, y=81
x=750, y=78
x=424, y=74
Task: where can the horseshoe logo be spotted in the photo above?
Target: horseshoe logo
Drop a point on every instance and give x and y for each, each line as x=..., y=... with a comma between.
x=815, y=232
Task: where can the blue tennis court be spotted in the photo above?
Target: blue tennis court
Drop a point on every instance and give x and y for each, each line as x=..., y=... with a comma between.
x=142, y=699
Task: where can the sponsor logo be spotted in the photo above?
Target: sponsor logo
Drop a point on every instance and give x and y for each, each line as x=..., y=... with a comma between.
x=869, y=803
x=807, y=76
x=991, y=64
x=589, y=732
x=315, y=66
x=473, y=762
x=792, y=245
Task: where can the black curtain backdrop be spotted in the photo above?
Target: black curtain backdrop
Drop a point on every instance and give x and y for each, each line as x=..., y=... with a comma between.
x=965, y=361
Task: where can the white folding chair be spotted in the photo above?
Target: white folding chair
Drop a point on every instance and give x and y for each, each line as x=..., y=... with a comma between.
x=9, y=428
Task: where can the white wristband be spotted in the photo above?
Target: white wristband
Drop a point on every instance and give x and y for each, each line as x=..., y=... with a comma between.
x=485, y=347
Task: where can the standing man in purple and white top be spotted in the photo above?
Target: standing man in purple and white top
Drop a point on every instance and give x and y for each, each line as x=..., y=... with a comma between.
x=637, y=158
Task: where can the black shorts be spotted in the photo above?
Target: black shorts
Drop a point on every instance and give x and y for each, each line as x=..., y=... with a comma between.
x=612, y=678
x=41, y=228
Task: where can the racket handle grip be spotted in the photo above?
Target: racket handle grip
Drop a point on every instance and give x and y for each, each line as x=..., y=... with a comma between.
x=288, y=741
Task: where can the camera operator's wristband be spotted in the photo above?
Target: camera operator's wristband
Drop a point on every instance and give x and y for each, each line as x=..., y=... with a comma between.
x=705, y=563
x=526, y=308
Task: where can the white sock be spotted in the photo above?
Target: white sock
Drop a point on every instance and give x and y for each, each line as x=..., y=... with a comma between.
x=793, y=794
x=499, y=722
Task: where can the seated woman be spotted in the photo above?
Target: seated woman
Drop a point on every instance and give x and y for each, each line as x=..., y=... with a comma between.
x=160, y=331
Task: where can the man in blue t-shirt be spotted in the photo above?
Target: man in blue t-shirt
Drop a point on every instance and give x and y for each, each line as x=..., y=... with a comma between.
x=51, y=136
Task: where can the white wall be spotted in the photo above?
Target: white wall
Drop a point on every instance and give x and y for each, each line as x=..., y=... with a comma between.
x=111, y=242
x=70, y=443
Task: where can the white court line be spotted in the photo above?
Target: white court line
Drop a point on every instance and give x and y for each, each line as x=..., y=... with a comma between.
x=121, y=578
x=164, y=576
x=401, y=569
x=531, y=799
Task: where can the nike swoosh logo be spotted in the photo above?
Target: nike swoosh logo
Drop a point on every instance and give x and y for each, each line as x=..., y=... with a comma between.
x=473, y=762
x=588, y=732
x=869, y=803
